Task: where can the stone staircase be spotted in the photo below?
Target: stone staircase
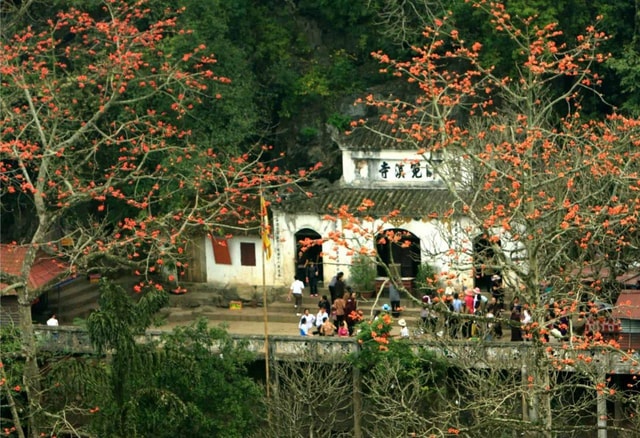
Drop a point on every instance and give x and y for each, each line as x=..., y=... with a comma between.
x=80, y=297
x=202, y=304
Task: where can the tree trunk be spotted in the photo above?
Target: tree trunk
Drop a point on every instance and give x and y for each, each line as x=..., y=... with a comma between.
x=601, y=407
x=31, y=374
x=357, y=402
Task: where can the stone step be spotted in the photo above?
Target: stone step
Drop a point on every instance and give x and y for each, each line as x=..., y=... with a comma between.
x=312, y=305
x=212, y=313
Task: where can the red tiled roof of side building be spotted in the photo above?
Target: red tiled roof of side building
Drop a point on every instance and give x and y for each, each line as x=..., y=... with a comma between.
x=44, y=271
x=590, y=273
x=628, y=305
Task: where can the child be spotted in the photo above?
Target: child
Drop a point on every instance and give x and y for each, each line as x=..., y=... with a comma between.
x=343, y=331
x=404, y=331
x=304, y=327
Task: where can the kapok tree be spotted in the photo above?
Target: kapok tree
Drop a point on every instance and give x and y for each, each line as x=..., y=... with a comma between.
x=363, y=236
x=96, y=150
x=552, y=193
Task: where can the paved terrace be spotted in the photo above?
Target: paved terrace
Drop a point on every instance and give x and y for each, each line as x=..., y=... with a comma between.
x=75, y=340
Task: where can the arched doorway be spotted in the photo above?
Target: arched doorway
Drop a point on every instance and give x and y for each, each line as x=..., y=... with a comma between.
x=485, y=262
x=308, y=249
x=399, y=248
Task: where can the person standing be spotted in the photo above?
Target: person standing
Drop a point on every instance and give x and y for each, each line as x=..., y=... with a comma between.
x=53, y=322
x=454, y=321
x=516, y=325
x=497, y=289
x=332, y=287
x=495, y=309
x=340, y=304
x=350, y=307
x=324, y=302
x=467, y=325
x=334, y=284
x=341, y=286
x=394, y=297
x=312, y=279
x=296, y=290
x=469, y=300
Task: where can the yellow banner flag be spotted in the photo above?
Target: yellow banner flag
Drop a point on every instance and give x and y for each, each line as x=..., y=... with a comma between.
x=264, y=228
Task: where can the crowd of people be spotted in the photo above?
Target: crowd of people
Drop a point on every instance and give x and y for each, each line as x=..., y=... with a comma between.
x=491, y=316
x=338, y=313
x=337, y=318
x=489, y=312
x=447, y=315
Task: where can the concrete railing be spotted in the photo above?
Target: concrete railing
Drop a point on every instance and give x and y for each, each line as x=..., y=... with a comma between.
x=75, y=340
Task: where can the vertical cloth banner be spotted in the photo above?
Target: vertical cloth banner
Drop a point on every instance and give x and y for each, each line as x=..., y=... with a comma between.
x=264, y=228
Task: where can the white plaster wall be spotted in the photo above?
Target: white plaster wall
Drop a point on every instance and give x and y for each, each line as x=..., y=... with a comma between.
x=348, y=167
x=334, y=258
x=235, y=273
x=444, y=246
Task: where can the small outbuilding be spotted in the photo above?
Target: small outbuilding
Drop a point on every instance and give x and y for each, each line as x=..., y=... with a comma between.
x=45, y=272
x=627, y=311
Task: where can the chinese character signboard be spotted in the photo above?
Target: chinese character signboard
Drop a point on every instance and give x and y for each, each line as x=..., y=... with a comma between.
x=403, y=170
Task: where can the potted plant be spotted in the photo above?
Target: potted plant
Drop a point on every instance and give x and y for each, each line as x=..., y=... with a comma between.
x=363, y=273
x=425, y=281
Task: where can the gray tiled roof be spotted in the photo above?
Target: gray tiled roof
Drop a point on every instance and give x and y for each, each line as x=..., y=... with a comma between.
x=412, y=202
x=378, y=135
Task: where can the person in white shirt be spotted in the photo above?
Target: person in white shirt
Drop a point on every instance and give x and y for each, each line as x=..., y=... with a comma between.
x=526, y=317
x=296, y=290
x=53, y=321
x=322, y=314
x=404, y=331
x=310, y=319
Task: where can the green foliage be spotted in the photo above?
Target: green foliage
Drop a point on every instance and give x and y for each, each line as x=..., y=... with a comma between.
x=343, y=72
x=203, y=364
x=313, y=84
x=340, y=13
x=426, y=278
x=374, y=339
x=168, y=389
x=120, y=319
x=75, y=382
x=627, y=67
x=363, y=273
x=196, y=384
x=12, y=369
x=10, y=339
x=307, y=135
x=378, y=349
x=79, y=322
x=340, y=121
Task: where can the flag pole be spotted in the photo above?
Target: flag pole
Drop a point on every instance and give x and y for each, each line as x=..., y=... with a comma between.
x=264, y=235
